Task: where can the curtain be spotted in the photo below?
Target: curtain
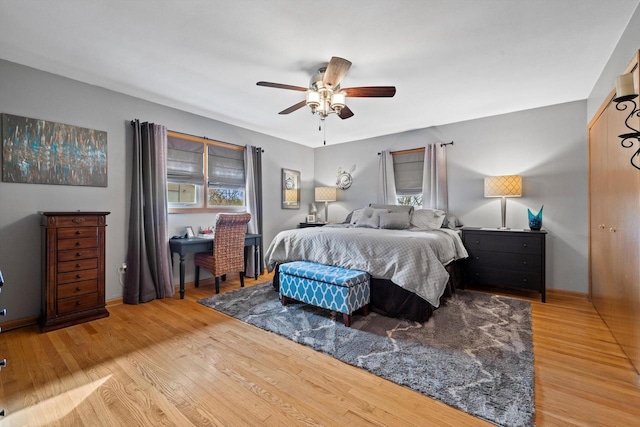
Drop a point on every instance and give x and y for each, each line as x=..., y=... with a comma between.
x=434, y=178
x=253, y=174
x=148, y=273
x=386, y=180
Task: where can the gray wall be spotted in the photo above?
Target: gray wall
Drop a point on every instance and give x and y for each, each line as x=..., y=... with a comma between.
x=547, y=146
x=624, y=51
x=32, y=93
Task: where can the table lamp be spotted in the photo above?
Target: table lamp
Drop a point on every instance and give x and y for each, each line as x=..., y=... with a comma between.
x=326, y=195
x=503, y=186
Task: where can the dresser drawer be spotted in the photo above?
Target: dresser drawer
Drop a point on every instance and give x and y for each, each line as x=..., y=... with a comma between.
x=75, y=221
x=497, y=242
x=77, y=254
x=91, y=242
x=77, y=289
x=77, y=232
x=69, y=305
x=507, y=261
x=504, y=278
x=81, y=264
x=77, y=276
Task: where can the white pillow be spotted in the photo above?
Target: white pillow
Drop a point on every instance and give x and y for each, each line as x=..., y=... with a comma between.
x=370, y=218
x=394, y=220
x=355, y=216
x=428, y=218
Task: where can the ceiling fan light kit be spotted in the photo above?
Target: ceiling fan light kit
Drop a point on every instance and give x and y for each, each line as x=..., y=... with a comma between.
x=324, y=95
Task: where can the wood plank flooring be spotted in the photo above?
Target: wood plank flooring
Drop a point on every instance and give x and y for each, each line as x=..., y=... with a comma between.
x=177, y=363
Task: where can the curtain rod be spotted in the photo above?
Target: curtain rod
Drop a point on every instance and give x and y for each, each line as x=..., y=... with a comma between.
x=133, y=122
x=443, y=144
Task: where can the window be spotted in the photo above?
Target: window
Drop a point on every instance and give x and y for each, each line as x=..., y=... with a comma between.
x=204, y=175
x=408, y=169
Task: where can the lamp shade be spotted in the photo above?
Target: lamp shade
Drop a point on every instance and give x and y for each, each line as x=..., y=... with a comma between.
x=503, y=186
x=326, y=194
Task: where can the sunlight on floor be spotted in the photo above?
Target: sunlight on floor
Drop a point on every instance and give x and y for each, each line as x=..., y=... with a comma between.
x=52, y=410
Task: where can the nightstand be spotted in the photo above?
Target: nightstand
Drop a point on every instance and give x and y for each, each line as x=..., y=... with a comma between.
x=512, y=259
x=311, y=224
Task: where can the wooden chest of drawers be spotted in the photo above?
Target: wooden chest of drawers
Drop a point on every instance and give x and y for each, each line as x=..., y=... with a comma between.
x=73, y=268
x=505, y=258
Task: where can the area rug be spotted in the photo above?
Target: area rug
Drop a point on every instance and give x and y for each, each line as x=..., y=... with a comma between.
x=475, y=353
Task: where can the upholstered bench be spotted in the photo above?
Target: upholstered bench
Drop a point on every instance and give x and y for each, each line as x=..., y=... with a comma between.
x=334, y=288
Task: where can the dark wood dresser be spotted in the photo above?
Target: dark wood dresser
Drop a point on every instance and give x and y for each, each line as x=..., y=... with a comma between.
x=73, y=268
x=513, y=259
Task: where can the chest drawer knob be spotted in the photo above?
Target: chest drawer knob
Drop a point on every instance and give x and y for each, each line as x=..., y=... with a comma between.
x=477, y=242
x=524, y=262
x=78, y=289
x=524, y=245
x=78, y=303
x=3, y=312
x=78, y=276
x=524, y=280
x=78, y=243
x=78, y=232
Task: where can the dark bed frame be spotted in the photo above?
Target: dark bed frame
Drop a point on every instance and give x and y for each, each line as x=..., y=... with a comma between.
x=391, y=300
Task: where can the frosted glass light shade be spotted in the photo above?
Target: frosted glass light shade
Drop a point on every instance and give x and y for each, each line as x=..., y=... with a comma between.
x=326, y=194
x=503, y=186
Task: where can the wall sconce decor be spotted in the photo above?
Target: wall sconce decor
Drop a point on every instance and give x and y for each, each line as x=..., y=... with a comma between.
x=503, y=186
x=625, y=100
x=326, y=195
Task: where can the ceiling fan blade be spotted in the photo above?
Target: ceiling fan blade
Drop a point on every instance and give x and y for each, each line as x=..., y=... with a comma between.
x=345, y=113
x=335, y=72
x=370, y=91
x=294, y=107
x=282, y=86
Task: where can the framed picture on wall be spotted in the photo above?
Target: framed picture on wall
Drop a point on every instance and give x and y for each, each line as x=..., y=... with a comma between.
x=290, y=189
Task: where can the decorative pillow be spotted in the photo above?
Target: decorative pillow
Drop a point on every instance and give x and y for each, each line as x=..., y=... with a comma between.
x=370, y=218
x=393, y=208
x=428, y=218
x=355, y=216
x=394, y=220
x=451, y=221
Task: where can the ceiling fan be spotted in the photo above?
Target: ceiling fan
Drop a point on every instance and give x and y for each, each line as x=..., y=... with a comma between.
x=325, y=96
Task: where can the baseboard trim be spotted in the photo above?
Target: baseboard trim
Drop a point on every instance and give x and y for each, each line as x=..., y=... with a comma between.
x=572, y=294
x=19, y=323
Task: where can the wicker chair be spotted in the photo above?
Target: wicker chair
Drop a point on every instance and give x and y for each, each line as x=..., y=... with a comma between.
x=228, y=249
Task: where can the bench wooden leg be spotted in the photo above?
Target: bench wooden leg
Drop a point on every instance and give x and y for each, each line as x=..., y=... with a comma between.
x=346, y=318
x=284, y=300
x=365, y=310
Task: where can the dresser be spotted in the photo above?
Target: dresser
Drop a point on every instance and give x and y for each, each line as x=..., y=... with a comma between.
x=512, y=259
x=73, y=268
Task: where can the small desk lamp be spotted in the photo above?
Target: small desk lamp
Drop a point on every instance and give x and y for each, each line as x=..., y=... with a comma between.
x=503, y=186
x=326, y=195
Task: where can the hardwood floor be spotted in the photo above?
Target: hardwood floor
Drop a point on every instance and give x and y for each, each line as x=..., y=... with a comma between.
x=176, y=362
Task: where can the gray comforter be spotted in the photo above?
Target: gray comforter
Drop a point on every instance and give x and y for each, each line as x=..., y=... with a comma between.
x=413, y=259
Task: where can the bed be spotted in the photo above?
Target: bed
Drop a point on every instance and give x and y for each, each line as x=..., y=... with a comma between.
x=411, y=270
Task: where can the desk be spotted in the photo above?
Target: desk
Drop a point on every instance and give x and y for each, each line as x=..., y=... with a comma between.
x=193, y=245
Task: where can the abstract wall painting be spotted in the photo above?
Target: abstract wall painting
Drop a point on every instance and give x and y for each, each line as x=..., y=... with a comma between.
x=43, y=152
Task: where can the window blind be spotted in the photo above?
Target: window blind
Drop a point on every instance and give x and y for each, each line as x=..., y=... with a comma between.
x=184, y=161
x=407, y=170
x=226, y=167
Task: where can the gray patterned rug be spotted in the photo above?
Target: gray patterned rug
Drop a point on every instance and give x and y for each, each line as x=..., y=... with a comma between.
x=475, y=353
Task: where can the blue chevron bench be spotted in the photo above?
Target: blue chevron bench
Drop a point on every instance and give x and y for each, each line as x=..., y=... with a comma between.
x=333, y=288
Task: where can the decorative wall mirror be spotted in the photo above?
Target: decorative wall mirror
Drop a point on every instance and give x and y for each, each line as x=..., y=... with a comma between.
x=290, y=189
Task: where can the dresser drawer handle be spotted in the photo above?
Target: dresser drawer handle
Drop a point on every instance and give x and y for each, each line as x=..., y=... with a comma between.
x=524, y=245
x=78, y=232
x=78, y=243
x=78, y=303
x=78, y=265
x=78, y=276
x=3, y=312
x=524, y=262
x=78, y=289
x=477, y=242
x=477, y=274
x=524, y=280
x=477, y=257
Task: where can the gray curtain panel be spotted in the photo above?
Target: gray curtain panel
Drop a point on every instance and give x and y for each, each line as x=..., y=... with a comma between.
x=148, y=261
x=434, y=178
x=253, y=173
x=386, y=180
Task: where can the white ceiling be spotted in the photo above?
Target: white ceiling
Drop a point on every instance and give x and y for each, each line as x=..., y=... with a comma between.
x=451, y=60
